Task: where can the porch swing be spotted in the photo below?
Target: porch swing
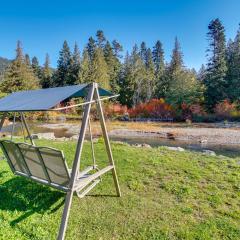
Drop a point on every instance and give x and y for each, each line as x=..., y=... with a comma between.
x=47, y=165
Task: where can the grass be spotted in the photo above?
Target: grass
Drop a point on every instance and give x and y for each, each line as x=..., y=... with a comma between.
x=166, y=195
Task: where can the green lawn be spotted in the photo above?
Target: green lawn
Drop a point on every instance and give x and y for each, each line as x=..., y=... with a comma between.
x=165, y=195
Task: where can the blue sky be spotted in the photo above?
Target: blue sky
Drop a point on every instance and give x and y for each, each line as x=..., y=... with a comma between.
x=42, y=26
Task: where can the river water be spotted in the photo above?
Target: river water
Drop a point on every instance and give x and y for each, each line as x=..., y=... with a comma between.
x=231, y=150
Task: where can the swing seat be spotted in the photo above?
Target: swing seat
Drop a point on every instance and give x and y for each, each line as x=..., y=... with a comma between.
x=48, y=166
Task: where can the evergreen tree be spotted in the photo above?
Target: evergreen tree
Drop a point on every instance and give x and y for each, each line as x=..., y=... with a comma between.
x=158, y=58
x=134, y=81
x=176, y=63
x=150, y=75
x=114, y=67
x=160, y=78
x=62, y=76
x=233, y=64
x=36, y=68
x=27, y=60
x=85, y=68
x=181, y=85
x=215, y=81
x=91, y=46
x=99, y=69
x=46, y=74
x=76, y=62
x=172, y=71
x=126, y=83
x=201, y=75
x=19, y=52
x=117, y=48
x=184, y=89
x=143, y=52
x=19, y=76
x=100, y=39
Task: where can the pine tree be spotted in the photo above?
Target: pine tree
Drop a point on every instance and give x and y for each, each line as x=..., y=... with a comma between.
x=117, y=48
x=46, y=74
x=99, y=69
x=176, y=63
x=114, y=67
x=19, y=76
x=19, y=52
x=181, y=85
x=233, y=64
x=201, y=75
x=76, y=64
x=126, y=83
x=27, y=60
x=143, y=52
x=172, y=71
x=62, y=76
x=36, y=68
x=215, y=81
x=100, y=39
x=91, y=46
x=150, y=75
x=85, y=68
x=160, y=78
x=135, y=73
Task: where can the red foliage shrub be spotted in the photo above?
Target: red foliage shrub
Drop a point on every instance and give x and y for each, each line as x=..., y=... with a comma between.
x=224, y=108
x=114, y=110
x=155, y=108
x=189, y=111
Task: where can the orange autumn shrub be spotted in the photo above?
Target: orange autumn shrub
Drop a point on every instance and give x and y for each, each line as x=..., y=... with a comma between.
x=192, y=112
x=155, y=108
x=225, y=108
x=114, y=110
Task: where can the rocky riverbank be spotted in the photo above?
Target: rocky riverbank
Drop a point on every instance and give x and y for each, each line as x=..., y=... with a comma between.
x=212, y=135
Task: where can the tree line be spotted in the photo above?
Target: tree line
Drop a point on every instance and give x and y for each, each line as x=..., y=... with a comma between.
x=141, y=75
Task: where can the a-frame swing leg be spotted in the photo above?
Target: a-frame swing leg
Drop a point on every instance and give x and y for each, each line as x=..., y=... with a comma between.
x=106, y=139
x=3, y=120
x=76, y=164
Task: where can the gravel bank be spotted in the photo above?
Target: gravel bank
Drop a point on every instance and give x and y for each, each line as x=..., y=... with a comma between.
x=209, y=135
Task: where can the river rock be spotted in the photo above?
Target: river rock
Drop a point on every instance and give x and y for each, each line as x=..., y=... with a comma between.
x=74, y=137
x=34, y=136
x=176, y=149
x=171, y=135
x=142, y=145
x=209, y=152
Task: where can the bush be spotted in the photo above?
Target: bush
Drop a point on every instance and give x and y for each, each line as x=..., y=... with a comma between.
x=112, y=110
x=155, y=108
x=193, y=112
x=225, y=109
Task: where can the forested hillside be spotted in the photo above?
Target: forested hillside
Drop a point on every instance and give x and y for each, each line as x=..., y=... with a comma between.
x=142, y=74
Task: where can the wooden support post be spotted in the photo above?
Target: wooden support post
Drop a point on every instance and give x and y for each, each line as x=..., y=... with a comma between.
x=106, y=139
x=3, y=120
x=76, y=164
x=27, y=128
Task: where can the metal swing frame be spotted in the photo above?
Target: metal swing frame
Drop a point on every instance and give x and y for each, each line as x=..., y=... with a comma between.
x=81, y=190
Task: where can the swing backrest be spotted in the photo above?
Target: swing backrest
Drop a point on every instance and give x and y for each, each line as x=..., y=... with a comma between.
x=38, y=163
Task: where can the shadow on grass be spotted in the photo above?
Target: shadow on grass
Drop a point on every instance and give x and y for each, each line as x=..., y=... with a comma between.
x=23, y=195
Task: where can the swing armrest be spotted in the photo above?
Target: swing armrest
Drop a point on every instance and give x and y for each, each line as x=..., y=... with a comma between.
x=82, y=173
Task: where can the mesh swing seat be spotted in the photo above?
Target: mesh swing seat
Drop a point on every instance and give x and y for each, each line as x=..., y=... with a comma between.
x=41, y=164
x=47, y=165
